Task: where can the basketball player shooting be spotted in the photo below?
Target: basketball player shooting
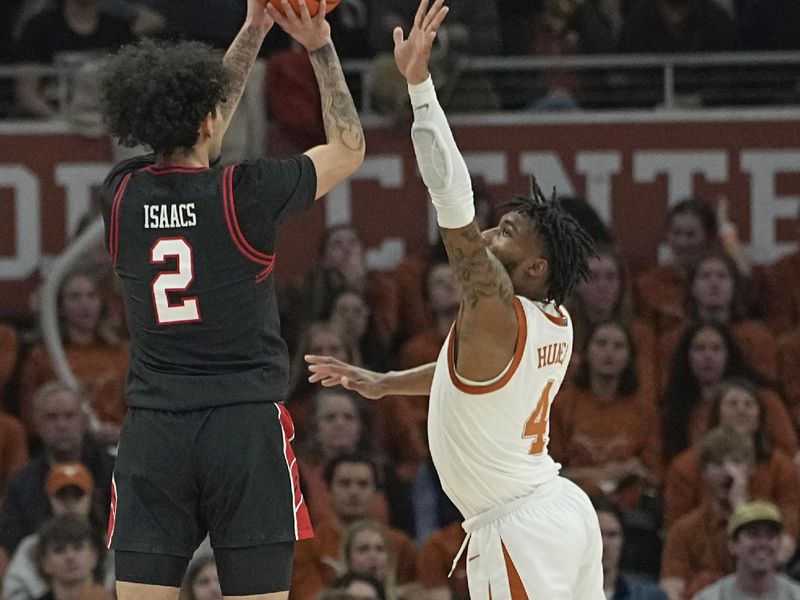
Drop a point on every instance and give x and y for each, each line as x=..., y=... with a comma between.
x=530, y=533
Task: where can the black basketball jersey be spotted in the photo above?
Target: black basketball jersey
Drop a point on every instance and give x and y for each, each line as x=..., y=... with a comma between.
x=195, y=251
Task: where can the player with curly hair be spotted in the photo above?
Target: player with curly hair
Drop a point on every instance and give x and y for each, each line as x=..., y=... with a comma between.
x=531, y=533
x=206, y=445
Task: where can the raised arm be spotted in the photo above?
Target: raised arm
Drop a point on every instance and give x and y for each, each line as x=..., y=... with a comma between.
x=331, y=372
x=343, y=153
x=487, y=322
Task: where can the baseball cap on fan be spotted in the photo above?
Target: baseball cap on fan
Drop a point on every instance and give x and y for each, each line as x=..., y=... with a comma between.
x=754, y=512
x=64, y=475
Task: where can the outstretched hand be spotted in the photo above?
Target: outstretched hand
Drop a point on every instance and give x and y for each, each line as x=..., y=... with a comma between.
x=413, y=54
x=310, y=32
x=331, y=372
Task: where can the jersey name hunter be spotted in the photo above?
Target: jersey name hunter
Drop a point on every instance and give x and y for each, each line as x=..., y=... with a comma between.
x=169, y=216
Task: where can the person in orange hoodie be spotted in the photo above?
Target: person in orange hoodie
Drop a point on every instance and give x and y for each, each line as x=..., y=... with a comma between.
x=352, y=481
x=9, y=350
x=707, y=355
x=717, y=292
x=13, y=449
x=98, y=360
x=604, y=428
x=780, y=294
x=738, y=406
x=788, y=368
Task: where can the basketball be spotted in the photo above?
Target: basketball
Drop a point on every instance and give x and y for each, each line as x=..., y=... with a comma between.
x=313, y=6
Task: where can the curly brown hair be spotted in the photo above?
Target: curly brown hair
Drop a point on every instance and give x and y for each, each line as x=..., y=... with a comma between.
x=156, y=94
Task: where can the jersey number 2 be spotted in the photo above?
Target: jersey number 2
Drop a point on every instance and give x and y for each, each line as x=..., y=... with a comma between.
x=536, y=425
x=188, y=309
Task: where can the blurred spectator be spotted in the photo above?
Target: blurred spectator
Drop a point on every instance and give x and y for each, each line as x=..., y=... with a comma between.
x=717, y=292
x=61, y=425
x=98, y=360
x=350, y=29
x=617, y=584
x=367, y=551
x=338, y=427
x=695, y=549
x=788, y=368
x=319, y=338
x=67, y=556
x=9, y=350
x=666, y=26
x=661, y=291
x=768, y=24
x=754, y=533
x=353, y=482
x=707, y=354
x=580, y=210
x=201, y=581
x=737, y=406
x=341, y=265
x=351, y=316
x=780, y=294
x=13, y=450
x=77, y=27
x=70, y=489
x=435, y=562
x=604, y=429
x=360, y=587
x=605, y=296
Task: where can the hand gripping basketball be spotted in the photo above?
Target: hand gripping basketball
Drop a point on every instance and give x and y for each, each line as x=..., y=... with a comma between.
x=313, y=6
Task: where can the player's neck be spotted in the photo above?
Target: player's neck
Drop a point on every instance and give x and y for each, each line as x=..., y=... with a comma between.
x=194, y=157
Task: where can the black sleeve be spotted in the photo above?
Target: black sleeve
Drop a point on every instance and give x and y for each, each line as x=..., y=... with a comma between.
x=267, y=191
x=113, y=180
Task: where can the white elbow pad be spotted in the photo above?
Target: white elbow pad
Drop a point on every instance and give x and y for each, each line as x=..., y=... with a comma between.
x=440, y=163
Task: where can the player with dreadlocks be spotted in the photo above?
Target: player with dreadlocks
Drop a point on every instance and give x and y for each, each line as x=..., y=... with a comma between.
x=531, y=533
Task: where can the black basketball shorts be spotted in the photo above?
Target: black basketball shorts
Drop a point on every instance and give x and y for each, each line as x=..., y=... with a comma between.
x=228, y=471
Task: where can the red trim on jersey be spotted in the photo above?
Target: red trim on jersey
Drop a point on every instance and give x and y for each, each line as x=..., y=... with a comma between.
x=560, y=320
x=268, y=260
x=112, y=513
x=302, y=520
x=113, y=235
x=522, y=336
x=515, y=585
x=154, y=170
x=183, y=301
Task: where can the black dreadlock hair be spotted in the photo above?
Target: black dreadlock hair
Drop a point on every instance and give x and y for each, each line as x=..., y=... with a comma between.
x=568, y=246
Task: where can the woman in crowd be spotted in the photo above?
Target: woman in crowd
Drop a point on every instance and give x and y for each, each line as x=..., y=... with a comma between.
x=201, y=581
x=366, y=551
x=350, y=314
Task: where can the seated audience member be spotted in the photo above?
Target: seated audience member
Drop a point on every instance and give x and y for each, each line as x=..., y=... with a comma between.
x=98, y=360
x=201, y=581
x=341, y=265
x=754, y=538
x=67, y=557
x=737, y=406
x=9, y=351
x=360, y=587
x=707, y=355
x=695, y=548
x=61, y=425
x=617, y=584
x=319, y=338
x=788, y=368
x=778, y=289
x=338, y=427
x=367, y=550
x=70, y=489
x=660, y=292
x=434, y=563
x=717, y=293
x=66, y=27
x=604, y=428
x=351, y=316
x=604, y=296
x=353, y=482
x=13, y=450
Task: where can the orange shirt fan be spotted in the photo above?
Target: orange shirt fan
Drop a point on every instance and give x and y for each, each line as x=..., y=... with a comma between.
x=313, y=5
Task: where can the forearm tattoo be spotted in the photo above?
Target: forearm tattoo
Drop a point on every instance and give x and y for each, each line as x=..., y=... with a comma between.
x=339, y=114
x=238, y=61
x=480, y=273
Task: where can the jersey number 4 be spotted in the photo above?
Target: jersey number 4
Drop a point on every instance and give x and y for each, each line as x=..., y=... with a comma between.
x=166, y=282
x=536, y=425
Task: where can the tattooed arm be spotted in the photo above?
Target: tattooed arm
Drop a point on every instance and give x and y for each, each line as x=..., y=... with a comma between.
x=343, y=153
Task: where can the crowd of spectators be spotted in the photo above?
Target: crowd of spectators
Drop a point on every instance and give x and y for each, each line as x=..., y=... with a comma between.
x=680, y=408
x=71, y=33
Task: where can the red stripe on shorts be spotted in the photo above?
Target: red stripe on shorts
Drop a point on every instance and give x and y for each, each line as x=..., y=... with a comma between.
x=112, y=514
x=302, y=520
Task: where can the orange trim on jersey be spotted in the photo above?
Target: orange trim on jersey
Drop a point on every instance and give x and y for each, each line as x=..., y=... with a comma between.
x=522, y=336
x=561, y=320
x=514, y=580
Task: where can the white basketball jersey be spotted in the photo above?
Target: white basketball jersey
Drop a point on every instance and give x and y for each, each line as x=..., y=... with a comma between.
x=489, y=441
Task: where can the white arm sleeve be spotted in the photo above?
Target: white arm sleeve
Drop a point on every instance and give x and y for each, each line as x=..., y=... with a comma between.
x=442, y=167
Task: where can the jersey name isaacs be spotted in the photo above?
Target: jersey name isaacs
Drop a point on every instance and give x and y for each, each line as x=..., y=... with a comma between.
x=169, y=216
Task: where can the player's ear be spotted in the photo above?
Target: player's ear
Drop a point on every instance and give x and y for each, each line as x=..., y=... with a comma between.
x=537, y=267
x=207, y=126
